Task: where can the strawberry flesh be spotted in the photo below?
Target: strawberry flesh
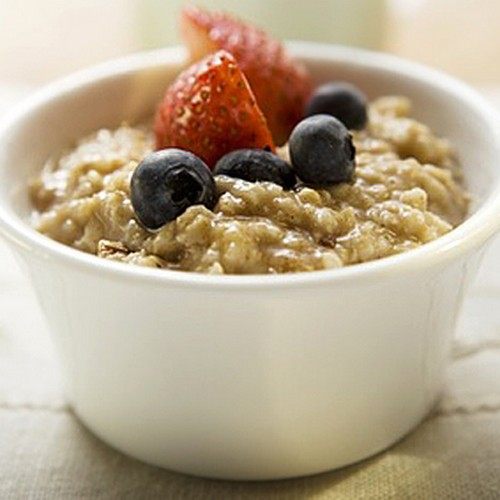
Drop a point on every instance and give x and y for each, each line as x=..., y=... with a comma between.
x=281, y=84
x=210, y=110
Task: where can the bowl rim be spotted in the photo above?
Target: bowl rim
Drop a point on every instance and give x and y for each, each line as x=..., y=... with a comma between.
x=473, y=232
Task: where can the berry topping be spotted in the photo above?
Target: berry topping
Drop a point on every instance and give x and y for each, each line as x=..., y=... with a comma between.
x=321, y=151
x=280, y=83
x=341, y=100
x=210, y=110
x=256, y=165
x=166, y=183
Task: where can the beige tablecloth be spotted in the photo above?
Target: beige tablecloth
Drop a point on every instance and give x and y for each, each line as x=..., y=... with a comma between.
x=45, y=453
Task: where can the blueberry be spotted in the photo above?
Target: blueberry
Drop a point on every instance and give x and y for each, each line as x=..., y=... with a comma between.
x=321, y=151
x=342, y=100
x=256, y=165
x=166, y=183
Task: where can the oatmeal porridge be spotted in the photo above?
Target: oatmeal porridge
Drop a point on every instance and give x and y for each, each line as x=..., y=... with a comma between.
x=406, y=190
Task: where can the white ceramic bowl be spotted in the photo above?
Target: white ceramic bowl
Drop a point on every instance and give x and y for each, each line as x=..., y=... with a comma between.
x=250, y=377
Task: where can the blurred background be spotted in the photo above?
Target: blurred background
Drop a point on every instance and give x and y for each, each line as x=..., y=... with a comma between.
x=41, y=40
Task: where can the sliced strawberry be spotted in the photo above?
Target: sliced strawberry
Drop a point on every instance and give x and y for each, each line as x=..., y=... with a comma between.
x=210, y=110
x=280, y=83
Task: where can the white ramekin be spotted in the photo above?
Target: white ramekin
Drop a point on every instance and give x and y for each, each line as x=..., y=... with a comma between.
x=250, y=377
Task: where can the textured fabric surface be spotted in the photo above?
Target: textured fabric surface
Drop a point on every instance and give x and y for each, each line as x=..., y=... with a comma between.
x=45, y=453
x=49, y=455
